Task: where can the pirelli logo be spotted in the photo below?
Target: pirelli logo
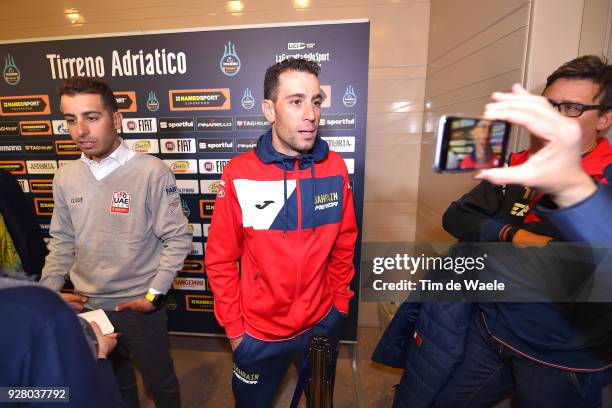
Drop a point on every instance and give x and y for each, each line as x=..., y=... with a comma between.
x=43, y=206
x=207, y=207
x=193, y=266
x=64, y=147
x=41, y=186
x=199, y=303
x=199, y=99
x=24, y=105
x=36, y=128
x=14, y=167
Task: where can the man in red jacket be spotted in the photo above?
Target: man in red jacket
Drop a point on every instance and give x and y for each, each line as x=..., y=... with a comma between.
x=285, y=212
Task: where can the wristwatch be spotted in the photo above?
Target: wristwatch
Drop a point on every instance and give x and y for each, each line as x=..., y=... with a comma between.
x=156, y=299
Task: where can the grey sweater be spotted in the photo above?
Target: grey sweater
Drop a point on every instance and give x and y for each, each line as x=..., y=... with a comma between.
x=119, y=236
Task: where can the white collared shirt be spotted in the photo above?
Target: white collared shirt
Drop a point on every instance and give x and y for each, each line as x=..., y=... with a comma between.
x=109, y=164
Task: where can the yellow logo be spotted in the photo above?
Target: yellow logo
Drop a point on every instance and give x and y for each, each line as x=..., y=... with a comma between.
x=519, y=209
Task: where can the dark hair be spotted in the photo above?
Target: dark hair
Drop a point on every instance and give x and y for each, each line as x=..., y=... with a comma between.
x=86, y=85
x=291, y=64
x=589, y=67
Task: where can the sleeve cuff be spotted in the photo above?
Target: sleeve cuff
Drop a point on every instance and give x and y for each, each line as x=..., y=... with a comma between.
x=234, y=328
x=342, y=302
x=490, y=231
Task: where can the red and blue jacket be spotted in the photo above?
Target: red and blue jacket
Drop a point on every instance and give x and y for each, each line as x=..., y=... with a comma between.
x=290, y=223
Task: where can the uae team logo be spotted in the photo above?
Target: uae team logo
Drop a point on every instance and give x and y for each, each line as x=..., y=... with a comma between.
x=230, y=62
x=12, y=75
x=121, y=202
x=247, y=99
x=152, y=102
x=349, y=99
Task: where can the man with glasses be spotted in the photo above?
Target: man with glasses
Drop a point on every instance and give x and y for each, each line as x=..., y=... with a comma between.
x=566, y=349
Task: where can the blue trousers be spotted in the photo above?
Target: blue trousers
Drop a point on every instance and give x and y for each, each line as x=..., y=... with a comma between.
x=491, y=371
x=260, y=366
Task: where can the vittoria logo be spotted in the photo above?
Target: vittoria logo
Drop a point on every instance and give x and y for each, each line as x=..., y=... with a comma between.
x=344, y=144
x=120, y=203
x=41, y=166
x=230, y=62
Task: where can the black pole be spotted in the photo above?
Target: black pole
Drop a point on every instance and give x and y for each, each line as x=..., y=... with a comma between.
x=320, y=383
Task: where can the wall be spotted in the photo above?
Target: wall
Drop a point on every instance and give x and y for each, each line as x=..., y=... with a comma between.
x=475, y=47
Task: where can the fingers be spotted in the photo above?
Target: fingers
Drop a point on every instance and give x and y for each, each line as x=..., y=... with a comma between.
x=506, y=175
x=96, y=328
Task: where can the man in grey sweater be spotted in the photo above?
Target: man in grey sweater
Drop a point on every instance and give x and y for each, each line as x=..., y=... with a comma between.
x=118, y=230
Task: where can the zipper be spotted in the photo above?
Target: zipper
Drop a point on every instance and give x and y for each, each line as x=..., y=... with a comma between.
x=298, y=273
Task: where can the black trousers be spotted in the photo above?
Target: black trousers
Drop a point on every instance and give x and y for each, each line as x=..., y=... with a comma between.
x=144, y=338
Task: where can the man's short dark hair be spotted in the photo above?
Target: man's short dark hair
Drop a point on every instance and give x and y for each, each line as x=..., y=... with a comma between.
x=592, y=68
x=86, y=85
x=291, y=64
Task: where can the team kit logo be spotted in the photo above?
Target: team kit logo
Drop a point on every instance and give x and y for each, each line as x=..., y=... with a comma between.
x=11, y=72
x=230, y=62
x=120, y=203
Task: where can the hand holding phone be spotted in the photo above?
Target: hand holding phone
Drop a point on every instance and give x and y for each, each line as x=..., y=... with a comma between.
x=470, y=143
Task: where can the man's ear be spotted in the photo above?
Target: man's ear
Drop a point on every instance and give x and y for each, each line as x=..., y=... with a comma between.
x=117, y=120
x=267, y=106
x=605, y=120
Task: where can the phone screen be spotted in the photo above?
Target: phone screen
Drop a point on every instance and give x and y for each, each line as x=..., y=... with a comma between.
x=465, y=144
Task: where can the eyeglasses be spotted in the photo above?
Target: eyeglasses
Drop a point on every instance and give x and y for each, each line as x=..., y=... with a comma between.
x=573, y=109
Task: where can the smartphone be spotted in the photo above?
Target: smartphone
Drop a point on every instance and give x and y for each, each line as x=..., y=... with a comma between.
x=470, y=143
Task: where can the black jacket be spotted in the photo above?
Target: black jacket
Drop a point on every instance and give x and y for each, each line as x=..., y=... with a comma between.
x=20, y=220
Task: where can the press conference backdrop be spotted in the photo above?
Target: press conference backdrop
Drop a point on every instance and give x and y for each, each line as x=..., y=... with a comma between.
x=193, y=99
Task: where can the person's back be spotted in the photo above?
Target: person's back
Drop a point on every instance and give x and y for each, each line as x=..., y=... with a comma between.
x=42, y=345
